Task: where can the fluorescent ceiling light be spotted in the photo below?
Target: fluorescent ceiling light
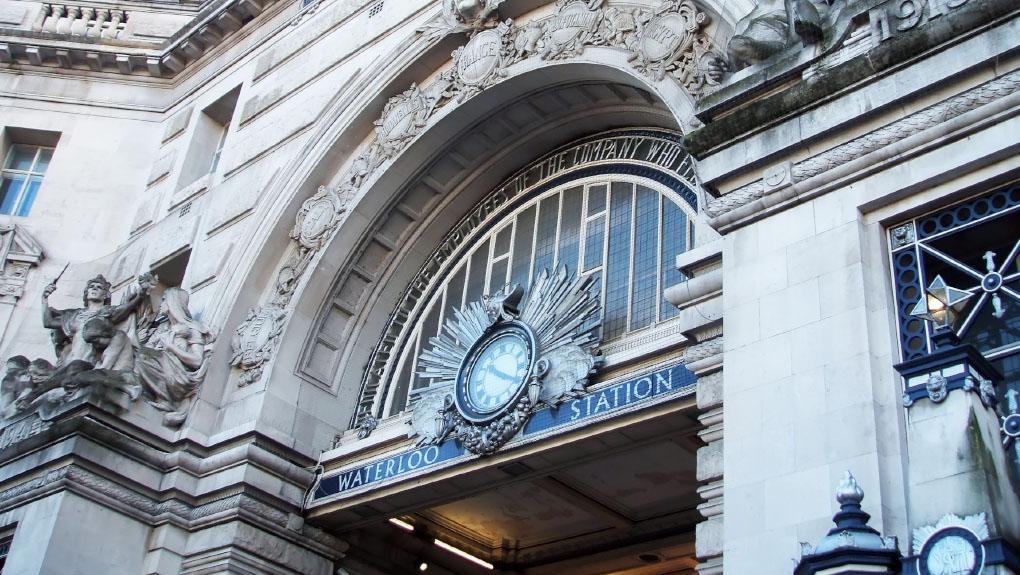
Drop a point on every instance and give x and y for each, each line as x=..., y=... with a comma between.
x=463, y=554
x=401, y=524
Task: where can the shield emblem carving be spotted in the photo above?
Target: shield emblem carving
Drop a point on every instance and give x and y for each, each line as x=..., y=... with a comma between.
x=568, y=31
x=480, y=58
x=664, y=37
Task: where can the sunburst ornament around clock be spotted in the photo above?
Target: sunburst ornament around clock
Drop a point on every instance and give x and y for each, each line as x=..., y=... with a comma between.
x=499, y=359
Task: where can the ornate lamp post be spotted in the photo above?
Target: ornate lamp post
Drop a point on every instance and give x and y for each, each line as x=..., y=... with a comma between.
x=954, y=449
x=952, y=364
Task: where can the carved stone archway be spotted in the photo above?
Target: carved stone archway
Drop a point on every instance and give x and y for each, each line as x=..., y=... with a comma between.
x=334, y=230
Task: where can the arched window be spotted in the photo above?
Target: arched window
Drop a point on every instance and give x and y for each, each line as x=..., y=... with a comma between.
x=624, y=230
x=619, y=213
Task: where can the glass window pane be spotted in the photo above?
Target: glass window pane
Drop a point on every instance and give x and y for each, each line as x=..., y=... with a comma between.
x=21, y=157
x=404, y=381
x=570, y=229
x=596, y=288
x=28, y=195
x=476, y=275
x=545, y=242
x=596, y=199
x=455, y=291
x=10, y=192
x=498, y=277
x=502, y=246
x=674, y=241
x=618, y=261
x=43, y=161
x=646, y=246
x=523, y=236
x=595, y=237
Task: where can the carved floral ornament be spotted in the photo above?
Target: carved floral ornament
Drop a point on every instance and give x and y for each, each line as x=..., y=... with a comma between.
x=668, y=41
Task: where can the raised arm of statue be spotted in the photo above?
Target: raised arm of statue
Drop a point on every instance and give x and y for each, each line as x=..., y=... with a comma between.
x=51, y=318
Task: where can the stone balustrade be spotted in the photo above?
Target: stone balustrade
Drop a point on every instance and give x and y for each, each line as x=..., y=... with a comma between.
x=81, y=21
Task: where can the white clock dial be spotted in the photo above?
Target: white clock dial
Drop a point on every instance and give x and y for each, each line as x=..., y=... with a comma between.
x=499, y=371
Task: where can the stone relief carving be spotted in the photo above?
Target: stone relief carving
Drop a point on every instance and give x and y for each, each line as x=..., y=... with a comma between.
x=256, y=338
x=480, y=63
x=113, y=354
x=462, y=16
x=575, y=25
x=19, y=251
x=561, y=357
x=668, y=42
x=768, y=29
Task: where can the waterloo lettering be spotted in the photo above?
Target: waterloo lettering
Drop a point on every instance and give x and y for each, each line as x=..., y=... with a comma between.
x=676, y=381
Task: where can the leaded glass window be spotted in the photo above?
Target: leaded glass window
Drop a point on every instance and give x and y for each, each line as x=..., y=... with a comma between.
x=974, y=246
x=625, y=231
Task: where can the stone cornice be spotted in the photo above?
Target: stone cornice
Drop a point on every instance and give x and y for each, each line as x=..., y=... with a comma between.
x=244, y=505
x=867, y=40
x=120, y=466
x=784, y=182
x=210, y=27
x=92, y=437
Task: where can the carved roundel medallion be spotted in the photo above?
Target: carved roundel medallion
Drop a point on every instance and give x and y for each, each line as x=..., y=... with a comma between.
x=400, y=115
x=665, y=36
x=952, y=551
x=480, y=57
x=573, y=21
x=318, y=220
x=495, y=372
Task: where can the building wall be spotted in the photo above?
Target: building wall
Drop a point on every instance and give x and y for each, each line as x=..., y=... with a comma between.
x=807, y=310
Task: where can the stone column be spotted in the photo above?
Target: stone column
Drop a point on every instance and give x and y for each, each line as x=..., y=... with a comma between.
x=701, y=294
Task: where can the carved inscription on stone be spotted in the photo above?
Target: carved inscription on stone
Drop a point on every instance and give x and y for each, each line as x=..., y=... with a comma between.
x=22, y=430
x=575, y=24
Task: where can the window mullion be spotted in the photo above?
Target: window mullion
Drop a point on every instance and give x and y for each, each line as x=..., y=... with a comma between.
x=630, y=259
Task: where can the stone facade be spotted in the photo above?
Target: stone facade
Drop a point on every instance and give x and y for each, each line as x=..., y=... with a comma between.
x=296, y=181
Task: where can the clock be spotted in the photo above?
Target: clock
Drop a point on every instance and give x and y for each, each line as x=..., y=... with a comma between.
x=495, y=371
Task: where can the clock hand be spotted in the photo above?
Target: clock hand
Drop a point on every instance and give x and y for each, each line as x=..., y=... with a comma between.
x=502, y=374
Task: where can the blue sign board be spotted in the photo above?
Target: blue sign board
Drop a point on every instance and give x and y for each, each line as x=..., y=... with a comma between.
x=671, y=380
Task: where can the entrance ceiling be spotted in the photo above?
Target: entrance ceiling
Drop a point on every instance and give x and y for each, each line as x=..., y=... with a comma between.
x=620, y=500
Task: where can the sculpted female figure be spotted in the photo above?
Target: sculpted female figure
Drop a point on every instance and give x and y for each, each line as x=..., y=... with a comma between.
x=173, y=362
x=96, y=300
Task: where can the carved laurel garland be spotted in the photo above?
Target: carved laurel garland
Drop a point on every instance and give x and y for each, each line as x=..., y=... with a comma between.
x=667, y=41
x=889, y=134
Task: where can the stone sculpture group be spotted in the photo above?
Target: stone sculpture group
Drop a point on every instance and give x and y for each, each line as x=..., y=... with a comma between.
x=114, y=354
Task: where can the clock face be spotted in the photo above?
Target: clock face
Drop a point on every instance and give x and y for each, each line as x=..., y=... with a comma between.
x=494, y=373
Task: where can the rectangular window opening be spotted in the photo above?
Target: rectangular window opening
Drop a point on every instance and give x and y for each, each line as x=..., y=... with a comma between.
x=26, y=158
